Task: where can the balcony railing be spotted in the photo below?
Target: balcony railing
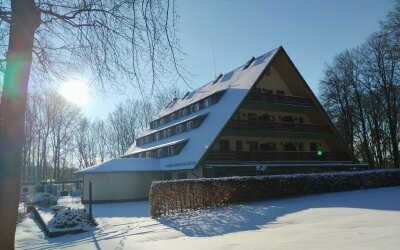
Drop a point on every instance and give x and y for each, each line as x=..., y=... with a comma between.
x=294, y=100
x=278, y=126
x=234, y=156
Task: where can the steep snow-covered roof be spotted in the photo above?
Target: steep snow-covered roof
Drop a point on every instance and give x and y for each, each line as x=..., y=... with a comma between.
x=236, y=85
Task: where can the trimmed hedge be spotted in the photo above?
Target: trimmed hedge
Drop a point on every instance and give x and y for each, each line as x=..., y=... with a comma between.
x=168, y=197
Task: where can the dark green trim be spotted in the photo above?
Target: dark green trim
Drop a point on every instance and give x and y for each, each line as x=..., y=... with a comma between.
x=260, y=105
x=275, y=134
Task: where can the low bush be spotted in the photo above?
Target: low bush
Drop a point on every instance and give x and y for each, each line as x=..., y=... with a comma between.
x=176, y=196
x=41, y=199
x=70, y=218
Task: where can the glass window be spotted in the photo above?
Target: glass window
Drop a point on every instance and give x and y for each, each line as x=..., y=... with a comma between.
x=269, y=146
x=289, y=146
x=253, y=145
x=184, y=112
x=182, y=175
x=148, y=154
x=173, y=117
x=178, y=129
x=164, y=133
x=224, y=145
x=168, y=132
x=207, y=102
x=239, y=146
x=280, y=92
x=189, y=125
x=252, y=116
x=161, y=152
x=171, y=150
x=158, y=136
x=161, y=121
x=313, y=146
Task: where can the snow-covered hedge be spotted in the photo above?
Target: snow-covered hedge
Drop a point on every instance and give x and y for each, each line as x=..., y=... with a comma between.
x=41, y=199
x=176, y=196
x=71, y=218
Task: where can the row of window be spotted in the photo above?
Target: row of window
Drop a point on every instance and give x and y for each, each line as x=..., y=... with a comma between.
x=194, y=107
x=173, y=130
x=267, y=91
x=269, y=118
x=160, y=152
x=224, y=146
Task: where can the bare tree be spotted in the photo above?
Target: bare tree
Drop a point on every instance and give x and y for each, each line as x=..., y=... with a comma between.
x=71, y=35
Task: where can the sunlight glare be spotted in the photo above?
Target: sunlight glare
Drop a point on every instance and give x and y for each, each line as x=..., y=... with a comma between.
x=75, y=91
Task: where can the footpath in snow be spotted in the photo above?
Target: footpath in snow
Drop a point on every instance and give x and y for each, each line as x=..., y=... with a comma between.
x=364, y=219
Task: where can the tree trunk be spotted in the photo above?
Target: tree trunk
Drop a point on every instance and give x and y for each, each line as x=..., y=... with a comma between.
x=25, y=20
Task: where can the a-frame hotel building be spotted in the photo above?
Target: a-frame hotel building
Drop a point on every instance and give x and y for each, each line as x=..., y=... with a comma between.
x=260, y=118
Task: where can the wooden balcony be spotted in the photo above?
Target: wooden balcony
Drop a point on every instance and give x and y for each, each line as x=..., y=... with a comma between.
x=237, y=156
x=278, y=126
x=292, y=100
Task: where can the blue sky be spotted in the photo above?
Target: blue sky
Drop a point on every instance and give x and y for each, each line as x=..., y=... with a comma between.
x=311, y=31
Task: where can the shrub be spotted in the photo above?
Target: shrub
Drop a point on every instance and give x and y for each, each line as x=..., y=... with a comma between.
x=41, y=199
x=176, y=196
x=69, y=218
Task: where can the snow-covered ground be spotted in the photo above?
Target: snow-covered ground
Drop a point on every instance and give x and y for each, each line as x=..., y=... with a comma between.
x=365, y=219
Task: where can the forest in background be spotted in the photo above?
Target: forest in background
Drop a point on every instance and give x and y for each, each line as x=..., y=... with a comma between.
x=360, y=91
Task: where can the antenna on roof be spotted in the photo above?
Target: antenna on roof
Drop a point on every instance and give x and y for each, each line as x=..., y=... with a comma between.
x=215, y=67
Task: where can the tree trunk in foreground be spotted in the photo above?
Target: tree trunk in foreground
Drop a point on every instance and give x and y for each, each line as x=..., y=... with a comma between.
x=25, y=19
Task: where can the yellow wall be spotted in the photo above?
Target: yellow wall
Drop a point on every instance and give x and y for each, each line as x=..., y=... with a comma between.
x=116, y=186
x=273, y=81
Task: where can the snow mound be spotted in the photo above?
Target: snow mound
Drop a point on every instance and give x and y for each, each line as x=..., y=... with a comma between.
x=71, y=218
x=41, y=199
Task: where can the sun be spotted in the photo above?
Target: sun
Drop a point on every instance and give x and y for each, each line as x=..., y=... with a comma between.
x=75, y=91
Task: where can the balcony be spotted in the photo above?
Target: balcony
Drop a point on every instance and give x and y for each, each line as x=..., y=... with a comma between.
x=278, y=126
x=281, y=99
x=237, y=156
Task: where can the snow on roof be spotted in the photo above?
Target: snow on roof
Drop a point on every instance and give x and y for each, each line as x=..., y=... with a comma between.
x=236, y=85
x=124, y=165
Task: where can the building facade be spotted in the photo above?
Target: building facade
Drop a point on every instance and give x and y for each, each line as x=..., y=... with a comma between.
x=261, y=118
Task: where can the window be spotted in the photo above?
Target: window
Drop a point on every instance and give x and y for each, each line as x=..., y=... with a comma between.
x=289, y=146
x=189, y=125
x=301, y=120
x=239, y=146
x=171, y=150
x=182, y=175
x=155, y=123
x=224, y=145
x=280, y=92
x=269, y=92
x=173, y=117
x=287, y=119
x=161, y=121
x=142, y=155
x=253, y=145
x=161, y=152
x=168, y=176
x=207, y=102
x=168, y=132
x=164, y=133
x=269, y=146
x=146, y=139
x=158, y=136
x=195, y=107
x=178, y=129
x=266, y=118
x=148, y=154
x=301, y=146
x=184, y=112
x=252, y=117
x=313, y=146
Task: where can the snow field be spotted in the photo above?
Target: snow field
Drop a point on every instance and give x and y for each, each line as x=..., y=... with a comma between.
x=364, y=219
